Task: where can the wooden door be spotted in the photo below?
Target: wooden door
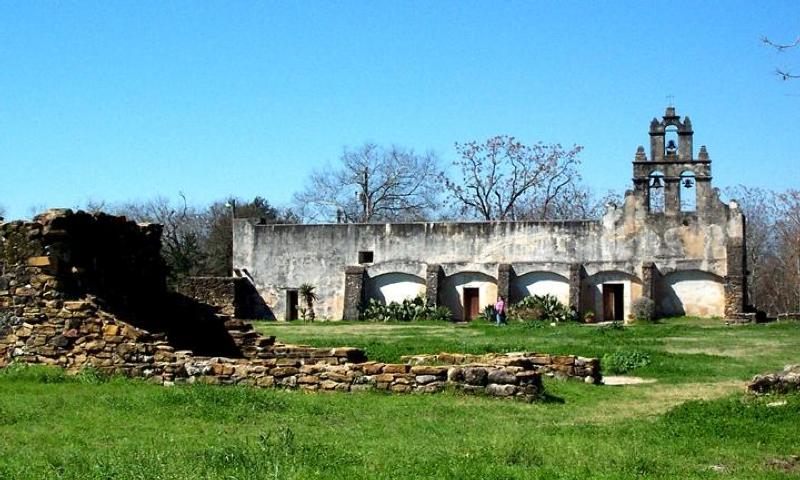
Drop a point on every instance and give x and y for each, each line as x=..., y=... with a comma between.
x=291, y=305
x=613, y=306
x=471, y=303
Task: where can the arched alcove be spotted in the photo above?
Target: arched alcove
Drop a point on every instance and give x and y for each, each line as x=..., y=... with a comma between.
x=692, y=292
x=655, y=192
x=395, y=287
x=671, y=140
x=540, y=283
x=464, y=293
x=688, y=192
x=609, y=294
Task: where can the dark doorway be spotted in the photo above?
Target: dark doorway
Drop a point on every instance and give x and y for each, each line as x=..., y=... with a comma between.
x=291, y=305
x=613, y=304
x=471, y=303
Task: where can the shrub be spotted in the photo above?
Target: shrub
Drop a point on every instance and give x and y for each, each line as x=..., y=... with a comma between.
x=489, y=314
x=623, y=361
x=643, y=309
x=540, y=307
x=407, y=311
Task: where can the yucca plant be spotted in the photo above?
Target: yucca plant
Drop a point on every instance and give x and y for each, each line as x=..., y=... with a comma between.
x=308, y=295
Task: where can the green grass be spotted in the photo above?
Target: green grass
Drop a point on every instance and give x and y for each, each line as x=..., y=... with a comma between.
x=693, y=418
x=681, y=350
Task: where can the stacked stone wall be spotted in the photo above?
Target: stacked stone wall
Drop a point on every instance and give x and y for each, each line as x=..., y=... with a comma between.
x=63, y=304
x=78, y=335
x=216, y=291
x=559, y=366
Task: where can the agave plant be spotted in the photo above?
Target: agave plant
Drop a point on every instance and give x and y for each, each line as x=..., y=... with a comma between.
x=409, y=310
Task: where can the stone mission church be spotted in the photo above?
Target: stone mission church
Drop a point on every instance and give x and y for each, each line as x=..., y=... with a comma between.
x=671, y=240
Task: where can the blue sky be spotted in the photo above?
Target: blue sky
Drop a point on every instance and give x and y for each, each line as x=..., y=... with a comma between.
x=118, y=101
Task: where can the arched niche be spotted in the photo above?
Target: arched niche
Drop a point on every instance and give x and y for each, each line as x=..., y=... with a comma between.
x=460, y=289
x=691, y=292
x=671, y=140
x=688, y=192
x=609, y=294
x=395, y=287
x=540, y=283
x=655, y=192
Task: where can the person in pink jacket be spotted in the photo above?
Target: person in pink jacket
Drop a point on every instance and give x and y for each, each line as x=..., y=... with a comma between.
x=500, y=310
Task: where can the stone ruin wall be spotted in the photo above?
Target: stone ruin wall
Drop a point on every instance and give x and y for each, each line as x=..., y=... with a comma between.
x=85, y=291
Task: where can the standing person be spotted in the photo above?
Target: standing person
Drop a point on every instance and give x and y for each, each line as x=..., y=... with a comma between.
x=500, y=310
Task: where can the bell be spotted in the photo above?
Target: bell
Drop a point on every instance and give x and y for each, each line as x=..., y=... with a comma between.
x=671, y=147
x=656, y=183
x=688, y=183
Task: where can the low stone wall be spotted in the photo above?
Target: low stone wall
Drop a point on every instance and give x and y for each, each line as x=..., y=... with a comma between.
x=787, y=317
x=559, y=366
x=81, y=335
x=493, y=380
x=786, y=381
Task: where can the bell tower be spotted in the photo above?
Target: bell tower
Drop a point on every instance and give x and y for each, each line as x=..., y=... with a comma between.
x=671, y=181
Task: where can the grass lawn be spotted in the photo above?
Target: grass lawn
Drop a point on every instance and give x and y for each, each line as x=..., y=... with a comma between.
x=692, y=422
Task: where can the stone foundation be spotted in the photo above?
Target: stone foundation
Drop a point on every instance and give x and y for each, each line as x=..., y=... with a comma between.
x=78, y=334
x=559, y=366
x=787, y=381
x=87, y=291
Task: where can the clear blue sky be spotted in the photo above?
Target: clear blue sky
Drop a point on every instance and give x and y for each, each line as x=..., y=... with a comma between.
x=116, y=101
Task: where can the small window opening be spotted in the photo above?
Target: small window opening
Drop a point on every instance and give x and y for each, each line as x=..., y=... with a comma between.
x=688, y=193
x=366, y=257
x=656, y=192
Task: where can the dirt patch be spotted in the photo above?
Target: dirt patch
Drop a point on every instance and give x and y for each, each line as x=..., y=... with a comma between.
x=617, y=380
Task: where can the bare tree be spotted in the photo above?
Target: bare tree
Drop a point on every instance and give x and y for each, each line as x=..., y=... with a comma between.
x=372, y=184
x=783, y=73
x=500, y=174
x=758, y=206
x=773, y=247
x=574, y=202
x=787, y=228
x=218, y=245
x=185, y=232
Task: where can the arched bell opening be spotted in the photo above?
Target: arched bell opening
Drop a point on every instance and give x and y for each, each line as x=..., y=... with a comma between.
x=688, y=192
x=671, y=141
x=655, y=191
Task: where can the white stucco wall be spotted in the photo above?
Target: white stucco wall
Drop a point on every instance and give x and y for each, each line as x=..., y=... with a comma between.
x=395, y=287
x=540, y=283
x=693, y=293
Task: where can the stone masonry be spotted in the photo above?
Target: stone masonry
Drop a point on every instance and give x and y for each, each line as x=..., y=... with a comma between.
x=70, y=306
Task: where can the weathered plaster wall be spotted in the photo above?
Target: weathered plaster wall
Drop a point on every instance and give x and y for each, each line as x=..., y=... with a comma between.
x=277, y=257
x=395, y=287
x=540, y=283
x=692, y=292
x=569, y=259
